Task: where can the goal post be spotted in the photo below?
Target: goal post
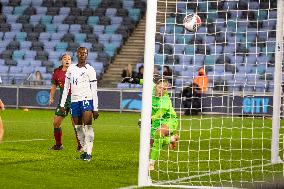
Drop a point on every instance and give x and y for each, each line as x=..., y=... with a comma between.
x=277, y=83
x=230, y=133
x=143, y=179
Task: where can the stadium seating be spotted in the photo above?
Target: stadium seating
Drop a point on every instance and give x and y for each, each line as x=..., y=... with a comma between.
x=35, y=33
x=227, y=41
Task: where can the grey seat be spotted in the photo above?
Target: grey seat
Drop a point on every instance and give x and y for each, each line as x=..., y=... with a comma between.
x=39, y=28
x=28, y=28
x=13, y=45
x=32, y=36
x=42, y=55
x=23, y=19
x=68, y=37
x=73, y=47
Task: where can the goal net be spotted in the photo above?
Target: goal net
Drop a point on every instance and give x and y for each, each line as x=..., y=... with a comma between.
x=230, y=133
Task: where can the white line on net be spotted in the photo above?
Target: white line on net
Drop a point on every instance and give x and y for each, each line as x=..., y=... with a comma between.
x=211, y=173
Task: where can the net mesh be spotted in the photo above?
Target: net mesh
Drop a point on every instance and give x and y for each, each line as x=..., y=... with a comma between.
x=225, y=136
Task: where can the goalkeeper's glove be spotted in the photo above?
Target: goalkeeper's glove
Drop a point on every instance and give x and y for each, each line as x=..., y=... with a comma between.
x=131, y=80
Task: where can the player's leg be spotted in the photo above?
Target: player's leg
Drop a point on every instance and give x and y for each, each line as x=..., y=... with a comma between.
x=89, y=133
x=1, y=130
x=57, y=131
x=78, y=122
x=67, y=107
x=163, y=137
x=79, y=147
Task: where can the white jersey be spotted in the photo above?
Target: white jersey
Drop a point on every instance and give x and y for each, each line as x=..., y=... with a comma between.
x=83, y=84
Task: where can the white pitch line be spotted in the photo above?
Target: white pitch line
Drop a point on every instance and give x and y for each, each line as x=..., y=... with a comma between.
x=211, y=173
x=28, y=140
x=129, y=187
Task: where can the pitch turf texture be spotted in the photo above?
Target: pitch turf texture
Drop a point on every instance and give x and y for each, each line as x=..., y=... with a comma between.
x=27, y=162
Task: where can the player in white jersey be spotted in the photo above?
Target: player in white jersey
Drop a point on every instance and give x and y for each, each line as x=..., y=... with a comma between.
x=81, y=78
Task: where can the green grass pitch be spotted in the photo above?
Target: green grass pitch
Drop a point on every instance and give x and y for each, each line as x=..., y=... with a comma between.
x=27, y=162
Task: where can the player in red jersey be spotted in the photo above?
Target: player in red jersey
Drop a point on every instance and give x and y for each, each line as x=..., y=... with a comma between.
x=58, y=80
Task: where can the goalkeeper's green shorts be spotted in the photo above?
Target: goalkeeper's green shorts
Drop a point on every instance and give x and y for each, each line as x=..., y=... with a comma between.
x=172, y=124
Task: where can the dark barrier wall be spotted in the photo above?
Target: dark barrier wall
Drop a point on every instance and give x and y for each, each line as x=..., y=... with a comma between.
x=120, y=100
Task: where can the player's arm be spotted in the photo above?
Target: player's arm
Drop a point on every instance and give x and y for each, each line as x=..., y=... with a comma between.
x=158, y=114
x=66, y=88
x=94, y=89
x=2, y=106
x=52, y=93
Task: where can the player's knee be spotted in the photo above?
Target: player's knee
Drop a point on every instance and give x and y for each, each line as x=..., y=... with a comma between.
x=56, y=124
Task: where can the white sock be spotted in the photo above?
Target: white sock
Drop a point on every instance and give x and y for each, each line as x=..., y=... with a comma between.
x=81, y=135
x=89, y=138
x=152, y=162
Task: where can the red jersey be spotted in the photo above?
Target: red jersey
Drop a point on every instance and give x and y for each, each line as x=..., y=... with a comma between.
x=58, y=77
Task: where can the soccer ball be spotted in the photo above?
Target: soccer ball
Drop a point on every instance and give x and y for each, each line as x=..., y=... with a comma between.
x=191, y=22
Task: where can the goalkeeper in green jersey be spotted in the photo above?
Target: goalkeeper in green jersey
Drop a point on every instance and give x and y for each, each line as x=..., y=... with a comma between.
x=164, y=119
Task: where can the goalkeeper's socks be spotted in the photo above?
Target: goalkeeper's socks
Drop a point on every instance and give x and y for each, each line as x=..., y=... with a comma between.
x=57, y=136
x=81, y=135
x=157, y=146
x=89, y=138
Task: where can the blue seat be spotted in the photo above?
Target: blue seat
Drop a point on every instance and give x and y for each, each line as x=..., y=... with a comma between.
x=111, y=12
x=27, y=70
x=56, y=37
x=93, y=20
x=116, y=38
x=26, y=2
x=4, y=69
x=178, y=48
x=12, y=19
x=21, y=36
x=82, y=4
x=49, y=46
x=9, y=36
x=35, y=63
x=189, y=49
x=44, y=36
x=210, y=59
x=185, y=59
x=198, y=59
x=80, y=37
x=111, y=29
x=63, y=28
x=159, y=59
x=15, y=69
x=126, y=4
x=87, y=45
x=30, y=55
x=116, y=20
x=64, y=11
x=58, y=19
x=18, y=55
x=134, y=14
x=41, y=69
x=110, y=49
x=7, y=10
x=41, y=11
x=16, y=27
x=123, y=85
x=35, y=19
x=94, y=3
x=218, y=49
x=92, y=56
x=46, y=19
x=54, y=56
x=37, y=3
x=75, y=28
x=50, y=28
x=61, y=46
x=169, y=38
x=104, y=38
x=19, y=10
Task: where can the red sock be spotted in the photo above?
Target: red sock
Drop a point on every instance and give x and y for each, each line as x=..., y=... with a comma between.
x=57, y=136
